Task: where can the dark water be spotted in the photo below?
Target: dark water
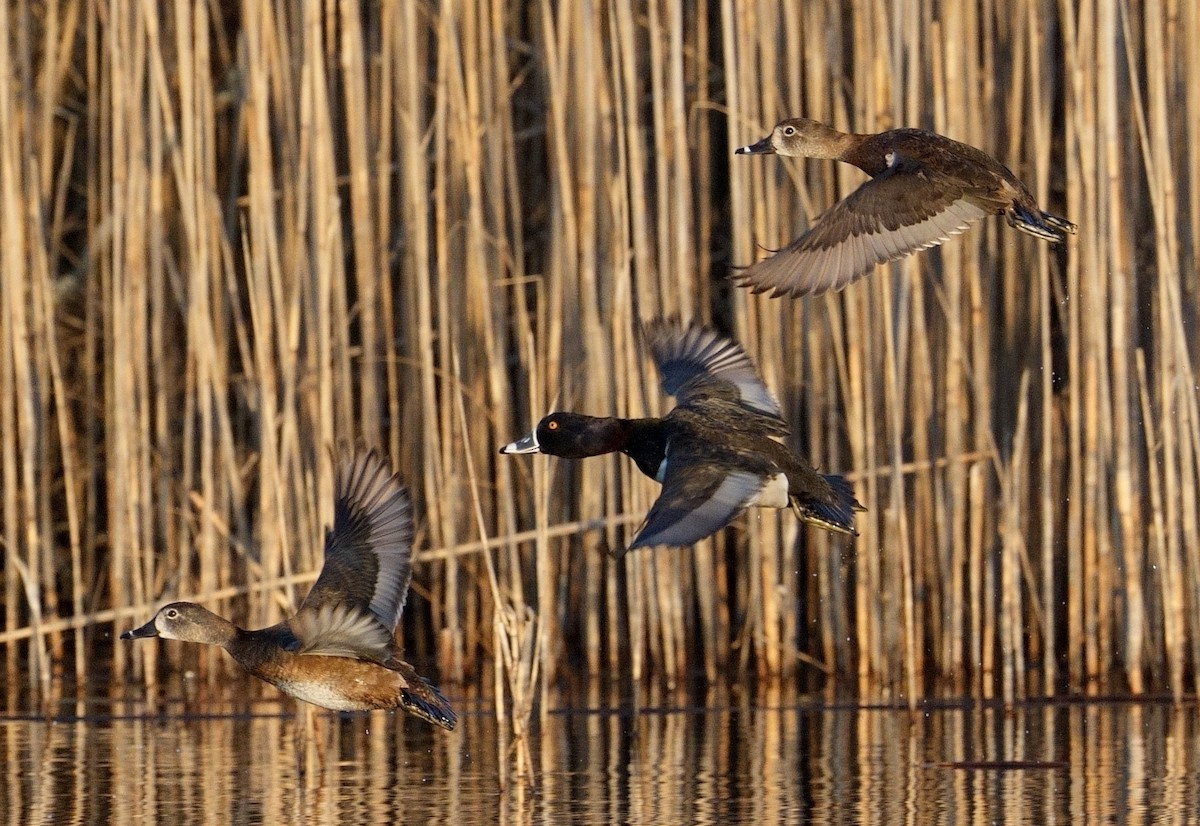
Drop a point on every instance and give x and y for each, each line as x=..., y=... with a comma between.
x=728, y=760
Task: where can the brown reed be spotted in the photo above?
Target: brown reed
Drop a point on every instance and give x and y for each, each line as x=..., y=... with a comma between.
x=230, y=242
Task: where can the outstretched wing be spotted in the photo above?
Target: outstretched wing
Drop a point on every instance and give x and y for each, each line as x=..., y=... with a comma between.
x=368, y=551
x=698, y=499
x=898, y=213
x=701, y=367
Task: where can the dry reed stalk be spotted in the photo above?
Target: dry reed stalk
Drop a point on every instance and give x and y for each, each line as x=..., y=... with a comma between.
x=1079, y=164
x=1154, y=133
x=1045, y=514
x=1156, y=538
x=516, y=633
x=265, y=296
x=446, y=183
x=912, y=662
x=11, y=196
x=1189, y=489
x=1012, y=681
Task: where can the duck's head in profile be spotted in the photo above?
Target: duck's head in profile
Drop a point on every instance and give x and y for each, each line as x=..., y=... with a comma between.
x=799, y=138
x=571, y=436
x=185, y=621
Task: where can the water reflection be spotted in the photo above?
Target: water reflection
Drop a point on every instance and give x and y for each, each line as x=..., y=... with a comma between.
x=730, y=760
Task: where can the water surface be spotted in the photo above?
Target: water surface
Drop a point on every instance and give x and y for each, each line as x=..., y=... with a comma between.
x=727, y=759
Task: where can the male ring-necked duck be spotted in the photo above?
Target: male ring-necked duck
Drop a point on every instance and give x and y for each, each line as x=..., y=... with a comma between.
x=715, y=454
x=339, y=650
x=924, y=188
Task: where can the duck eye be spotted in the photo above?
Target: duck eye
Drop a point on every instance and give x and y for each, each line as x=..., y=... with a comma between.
x=552, y=425
x=789, y=130
x=173, y=614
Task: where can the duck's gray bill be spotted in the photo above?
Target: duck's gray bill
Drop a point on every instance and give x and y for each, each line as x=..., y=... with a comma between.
x=763, y=147
x=147, y=630
x=528, y=444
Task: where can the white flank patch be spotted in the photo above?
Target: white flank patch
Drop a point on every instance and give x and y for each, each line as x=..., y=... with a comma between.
x=662, y=471
x=324, y=695
x=774, y=494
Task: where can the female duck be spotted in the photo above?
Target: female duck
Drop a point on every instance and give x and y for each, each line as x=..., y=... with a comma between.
x=715, y=454
x=924, y=188
x=339, y=650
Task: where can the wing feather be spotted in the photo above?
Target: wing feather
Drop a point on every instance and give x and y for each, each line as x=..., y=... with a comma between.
x=368, y=551
x=699, y=365
x=888, y=217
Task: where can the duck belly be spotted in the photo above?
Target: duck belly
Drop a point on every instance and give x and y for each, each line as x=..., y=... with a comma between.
x=774, y=493
x=346, y=697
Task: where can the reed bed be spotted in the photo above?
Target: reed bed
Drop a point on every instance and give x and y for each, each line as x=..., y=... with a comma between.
x=237, y=235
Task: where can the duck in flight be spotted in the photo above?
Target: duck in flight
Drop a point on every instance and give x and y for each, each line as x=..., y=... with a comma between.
x=924, y=188
x=716, y=453
x=339, y=651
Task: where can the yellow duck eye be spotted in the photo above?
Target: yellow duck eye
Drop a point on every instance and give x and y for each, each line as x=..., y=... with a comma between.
x=552, y=425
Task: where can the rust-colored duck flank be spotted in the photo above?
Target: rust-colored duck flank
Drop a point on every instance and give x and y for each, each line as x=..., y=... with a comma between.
x=339, y=651
x=924, y=188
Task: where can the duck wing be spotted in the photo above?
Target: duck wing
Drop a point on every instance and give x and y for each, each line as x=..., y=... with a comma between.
x=908, y=207
x=342, y=630
x=704, y=369
x=699, y=497
x=368, y=557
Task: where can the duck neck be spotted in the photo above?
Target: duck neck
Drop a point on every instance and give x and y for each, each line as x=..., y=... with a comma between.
x=868, y=152
x=646, y=444
x=221, y=632
x=614, y=434
x=842, y=146
x=826, y=143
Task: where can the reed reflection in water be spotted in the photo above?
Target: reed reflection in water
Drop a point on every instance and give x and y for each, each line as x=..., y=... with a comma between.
x=730, y=761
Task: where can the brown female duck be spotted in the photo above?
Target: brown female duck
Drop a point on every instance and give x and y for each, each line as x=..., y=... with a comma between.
x=339, y=651
x=924, y=188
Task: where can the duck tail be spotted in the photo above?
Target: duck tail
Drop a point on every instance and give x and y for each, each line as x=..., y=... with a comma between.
x=422, y=699
x=835, y=513
x=1040, y=224
x=1059, y=223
